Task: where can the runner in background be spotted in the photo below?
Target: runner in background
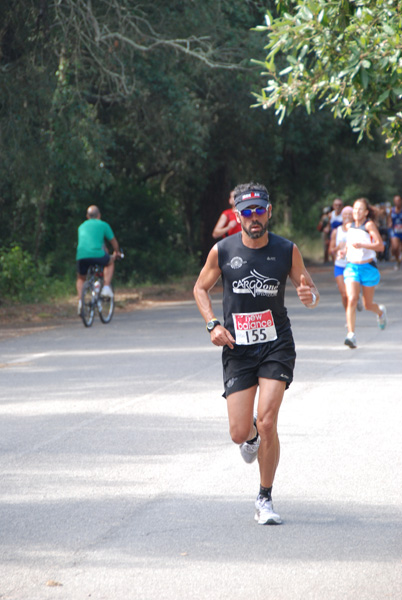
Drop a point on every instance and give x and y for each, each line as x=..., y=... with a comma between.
x=382, y=211
x=395, y=230
x=324, y=227
x=227, y=223
x=336, y=214
x=337, y=248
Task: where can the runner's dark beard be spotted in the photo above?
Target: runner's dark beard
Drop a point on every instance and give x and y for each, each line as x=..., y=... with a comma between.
x=256, y=234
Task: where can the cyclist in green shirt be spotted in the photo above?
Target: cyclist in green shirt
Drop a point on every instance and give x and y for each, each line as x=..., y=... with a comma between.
x=91, y=249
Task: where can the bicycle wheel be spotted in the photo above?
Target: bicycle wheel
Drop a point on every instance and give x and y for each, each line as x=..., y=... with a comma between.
x=88, y=301
x=105, y=308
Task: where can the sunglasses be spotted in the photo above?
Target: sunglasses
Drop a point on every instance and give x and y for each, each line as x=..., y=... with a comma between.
x=247, y=212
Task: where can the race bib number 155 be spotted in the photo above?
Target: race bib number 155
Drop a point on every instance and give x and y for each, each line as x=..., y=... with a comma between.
x=254, y=328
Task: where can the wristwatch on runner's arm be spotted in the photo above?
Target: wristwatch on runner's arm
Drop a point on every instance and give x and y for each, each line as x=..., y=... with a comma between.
x=212, y=324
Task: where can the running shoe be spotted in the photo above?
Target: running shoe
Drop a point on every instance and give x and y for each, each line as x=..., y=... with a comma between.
x=249, y=450
x=350, y=340
x=79, y=307
x=359, y=305
x=264, y=512
x=107, y=291
x=382, y=320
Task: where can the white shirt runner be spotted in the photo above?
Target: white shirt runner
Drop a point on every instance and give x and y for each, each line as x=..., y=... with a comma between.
x=254, y=328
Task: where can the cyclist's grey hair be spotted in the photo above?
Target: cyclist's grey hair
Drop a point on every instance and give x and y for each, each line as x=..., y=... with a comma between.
x=93, y=212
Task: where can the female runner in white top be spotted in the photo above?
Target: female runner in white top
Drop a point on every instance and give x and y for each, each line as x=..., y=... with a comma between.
x=362, y=243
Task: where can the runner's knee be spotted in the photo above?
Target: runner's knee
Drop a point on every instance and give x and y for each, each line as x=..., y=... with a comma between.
x=369, y=306
x=352, y=300
x=240, y=433
x=267, y=425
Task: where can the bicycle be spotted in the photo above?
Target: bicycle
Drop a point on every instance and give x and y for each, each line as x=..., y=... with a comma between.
x=92, y=298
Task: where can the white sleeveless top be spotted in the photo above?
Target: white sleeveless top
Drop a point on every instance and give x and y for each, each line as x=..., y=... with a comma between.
x=359, y=255
x=340, y=240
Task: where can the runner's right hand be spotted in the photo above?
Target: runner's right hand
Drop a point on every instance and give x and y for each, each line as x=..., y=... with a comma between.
x=222, y=337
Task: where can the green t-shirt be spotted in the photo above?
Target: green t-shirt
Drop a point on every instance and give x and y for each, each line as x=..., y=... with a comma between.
x=91, y=238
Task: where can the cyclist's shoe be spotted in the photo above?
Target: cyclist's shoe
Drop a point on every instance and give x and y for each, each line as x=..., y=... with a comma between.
x=359, y=305
x=249, y=449
x=264, y=512
x=382, y=320
x=350, y=340
x=107, y=291
x=79, y=308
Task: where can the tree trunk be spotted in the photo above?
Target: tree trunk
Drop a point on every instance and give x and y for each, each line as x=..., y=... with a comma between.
x=40, y=218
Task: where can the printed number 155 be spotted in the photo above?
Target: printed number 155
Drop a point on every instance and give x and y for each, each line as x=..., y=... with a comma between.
x=256, y=335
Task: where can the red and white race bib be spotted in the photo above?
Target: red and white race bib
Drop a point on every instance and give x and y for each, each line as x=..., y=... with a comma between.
x=254, y=328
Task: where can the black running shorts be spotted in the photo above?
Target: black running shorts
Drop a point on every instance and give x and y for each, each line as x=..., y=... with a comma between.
x=243, y=365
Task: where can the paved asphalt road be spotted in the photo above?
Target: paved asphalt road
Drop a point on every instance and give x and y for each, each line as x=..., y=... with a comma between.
x=119, y=480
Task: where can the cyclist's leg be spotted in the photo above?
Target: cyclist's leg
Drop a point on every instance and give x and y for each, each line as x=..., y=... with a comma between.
x=108, y=271
x=82, y=269
x=79, y=284
x=107, y=263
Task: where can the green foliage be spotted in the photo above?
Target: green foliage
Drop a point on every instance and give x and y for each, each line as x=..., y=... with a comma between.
x=144, y=110
x=150, y=229
x=20, y=279
x=346, y=56
x=24, y=281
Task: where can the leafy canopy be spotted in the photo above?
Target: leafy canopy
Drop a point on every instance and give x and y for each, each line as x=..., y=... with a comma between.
x=345, y=55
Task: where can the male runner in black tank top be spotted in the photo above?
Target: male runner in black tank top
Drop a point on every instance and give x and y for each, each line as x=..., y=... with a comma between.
x=257, y=341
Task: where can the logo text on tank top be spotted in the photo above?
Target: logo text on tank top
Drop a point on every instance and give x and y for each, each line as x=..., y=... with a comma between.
x=256, y=285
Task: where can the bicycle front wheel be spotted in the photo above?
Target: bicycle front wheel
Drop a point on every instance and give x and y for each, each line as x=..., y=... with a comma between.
x=105, y=308
x=88, y=302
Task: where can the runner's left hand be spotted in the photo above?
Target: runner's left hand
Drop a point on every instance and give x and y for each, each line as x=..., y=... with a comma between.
x=304, y=291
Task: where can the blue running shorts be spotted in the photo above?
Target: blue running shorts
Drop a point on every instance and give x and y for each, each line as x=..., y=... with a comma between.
x=366, y=274
x=338, y=271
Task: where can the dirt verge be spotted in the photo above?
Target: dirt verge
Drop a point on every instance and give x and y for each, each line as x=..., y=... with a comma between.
x=21, y=319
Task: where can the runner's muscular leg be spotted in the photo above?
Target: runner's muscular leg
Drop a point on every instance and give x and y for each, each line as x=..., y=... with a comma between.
x=240, y=411
x=269, y=403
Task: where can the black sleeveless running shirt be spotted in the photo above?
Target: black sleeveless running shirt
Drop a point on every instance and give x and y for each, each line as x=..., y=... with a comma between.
x=254, y=279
